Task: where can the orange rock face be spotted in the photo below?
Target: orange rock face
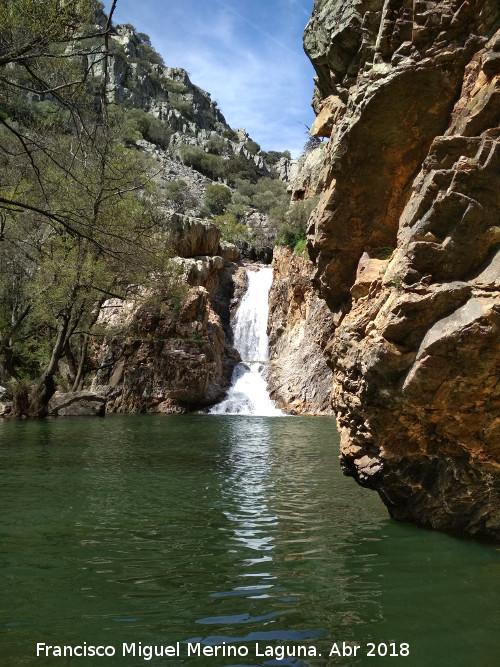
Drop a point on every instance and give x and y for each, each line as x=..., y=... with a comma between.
x=413, y=167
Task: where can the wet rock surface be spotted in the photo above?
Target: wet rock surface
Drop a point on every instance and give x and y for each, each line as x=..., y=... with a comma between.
x=411, y=191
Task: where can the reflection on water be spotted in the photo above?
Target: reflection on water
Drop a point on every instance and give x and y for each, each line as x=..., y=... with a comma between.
x=212, y=529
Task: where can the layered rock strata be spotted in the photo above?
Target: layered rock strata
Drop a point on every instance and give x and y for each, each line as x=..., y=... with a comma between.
x=300, y=325
x=405, y=243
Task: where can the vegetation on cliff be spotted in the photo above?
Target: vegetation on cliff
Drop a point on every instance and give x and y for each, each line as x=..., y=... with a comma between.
x=100, y=145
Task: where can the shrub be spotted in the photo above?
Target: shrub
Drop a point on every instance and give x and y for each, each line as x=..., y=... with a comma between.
x=230, y=134
x=217, y=197
x=252, y=147
x=238, y=167
x=216, y=145
x=150, y=55
x=294, y=227
x=185, y=108
x=178, y=195
x=300, y=248
x=158, y=133
x=231, y=230
x=273, y=157
x=139, y=124
x=212, y=166
x=238, y=210
x=311, y=144
x=173, y=86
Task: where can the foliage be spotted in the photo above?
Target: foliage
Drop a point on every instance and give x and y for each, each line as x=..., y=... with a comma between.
x=79, y=215
x=178, y=196
x=252, y=147
x=264, y=195
x=217, y=197
x=212, y=166
x=311, y=144
x=238, y=167
x=293, y=228
x=273, y=157
x=31, y=29
x=386, y=252
x=173, y=86
x=149, y=54
x=231, y=135
x=184, y=107
x=231, y=230
x=138, y=124
x=300, y=248
x=216, y=145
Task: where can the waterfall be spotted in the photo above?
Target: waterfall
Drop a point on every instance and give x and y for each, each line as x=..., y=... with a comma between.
x=248, y=392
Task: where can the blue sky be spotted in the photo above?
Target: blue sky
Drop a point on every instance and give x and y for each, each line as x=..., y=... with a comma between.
x=246, y=53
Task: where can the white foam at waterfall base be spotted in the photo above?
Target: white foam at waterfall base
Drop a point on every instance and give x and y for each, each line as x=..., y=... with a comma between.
x=248, y=393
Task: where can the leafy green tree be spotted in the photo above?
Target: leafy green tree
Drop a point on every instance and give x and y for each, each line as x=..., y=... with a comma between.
x=216, y=145
x=79, y=220
x=231, y=229
x=252, y=147
x=311, y=144
x=238, y=167
x=217, y=198
x=293, y=228
x=138, y=124
x=212, y=166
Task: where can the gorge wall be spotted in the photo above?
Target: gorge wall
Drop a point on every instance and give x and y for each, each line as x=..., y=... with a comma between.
x=405, y=242
x=172, y=353
x=300, y=325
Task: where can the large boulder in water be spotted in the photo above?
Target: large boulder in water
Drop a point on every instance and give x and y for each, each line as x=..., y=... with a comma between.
x=77, y=404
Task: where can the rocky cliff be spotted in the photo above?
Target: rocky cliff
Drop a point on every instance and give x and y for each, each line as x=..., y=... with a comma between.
x=170, y=352
x=405, y=245
x=300, y=325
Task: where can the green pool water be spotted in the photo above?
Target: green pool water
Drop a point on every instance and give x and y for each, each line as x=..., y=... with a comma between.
x=196, y=532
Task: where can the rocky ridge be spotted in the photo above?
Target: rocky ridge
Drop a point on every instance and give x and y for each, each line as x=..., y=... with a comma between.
x=405, y=246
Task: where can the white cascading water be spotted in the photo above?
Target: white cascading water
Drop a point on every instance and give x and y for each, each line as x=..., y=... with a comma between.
x=248, y=393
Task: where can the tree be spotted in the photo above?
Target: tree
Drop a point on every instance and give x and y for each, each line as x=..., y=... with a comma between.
x=252, y=147
x=293, y=227
x=79, y=220
x=217, y=197
x=311, y=144
x=231, y=230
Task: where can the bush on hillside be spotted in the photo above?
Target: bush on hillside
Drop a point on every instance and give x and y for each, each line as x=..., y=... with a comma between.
x=178, y=196
x=252, y=147
x=138, y=124
x=217, y=197
x=231, y=230
x=293, y=229
x=231, y=135
x=210, y=165
x=238, y=167
x=216, y=145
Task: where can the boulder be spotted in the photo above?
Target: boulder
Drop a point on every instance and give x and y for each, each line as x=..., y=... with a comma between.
x=77, y=404
x=191, y=237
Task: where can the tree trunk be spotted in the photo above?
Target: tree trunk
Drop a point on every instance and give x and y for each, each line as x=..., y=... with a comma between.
x=80, y=375
x=44, y=388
